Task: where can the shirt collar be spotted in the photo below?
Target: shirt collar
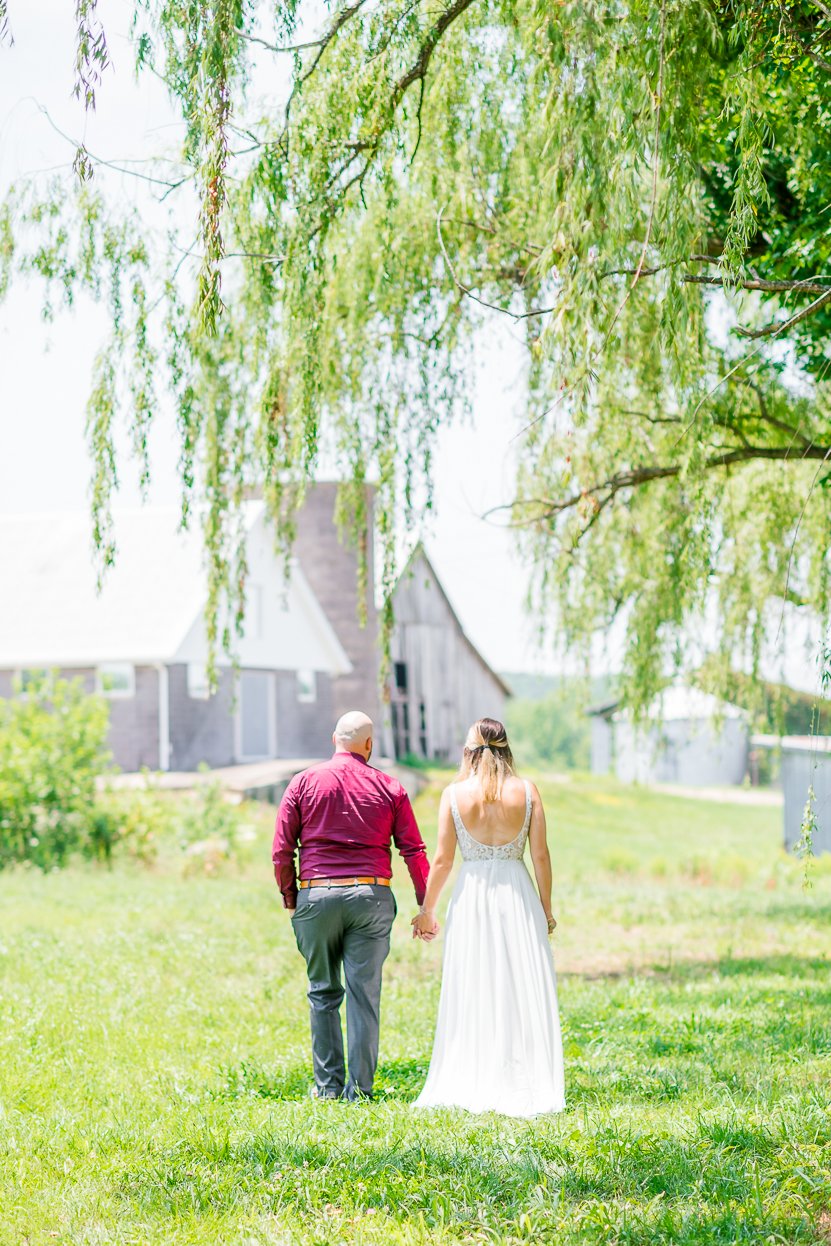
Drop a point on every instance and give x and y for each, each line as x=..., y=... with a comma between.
x=340, y=756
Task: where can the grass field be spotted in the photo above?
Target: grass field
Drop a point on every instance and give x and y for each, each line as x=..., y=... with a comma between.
x=155, y=1061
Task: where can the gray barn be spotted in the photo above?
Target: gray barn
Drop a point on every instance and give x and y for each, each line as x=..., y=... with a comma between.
x=439, y=683
x=688, y=738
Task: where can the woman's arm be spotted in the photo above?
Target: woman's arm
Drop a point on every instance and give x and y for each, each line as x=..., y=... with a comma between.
x=540, y=855
x=425, y=924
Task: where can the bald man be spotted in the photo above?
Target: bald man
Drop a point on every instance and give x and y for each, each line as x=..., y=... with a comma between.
x=343, y=814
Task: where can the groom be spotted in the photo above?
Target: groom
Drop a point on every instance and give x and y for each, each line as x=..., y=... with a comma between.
x=344, y=814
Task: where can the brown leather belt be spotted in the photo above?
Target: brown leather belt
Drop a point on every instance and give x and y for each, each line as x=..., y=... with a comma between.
x=344, y=882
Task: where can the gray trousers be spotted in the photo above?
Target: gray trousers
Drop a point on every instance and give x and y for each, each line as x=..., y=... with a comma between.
x=344, y=928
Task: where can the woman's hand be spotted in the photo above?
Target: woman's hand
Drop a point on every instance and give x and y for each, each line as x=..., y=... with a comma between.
x=552, y=922
x=424, y=927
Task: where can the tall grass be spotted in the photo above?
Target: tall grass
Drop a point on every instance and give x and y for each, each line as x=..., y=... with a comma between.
x=154, y=1065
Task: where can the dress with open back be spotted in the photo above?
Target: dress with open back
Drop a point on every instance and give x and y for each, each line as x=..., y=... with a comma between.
x=497, y=1046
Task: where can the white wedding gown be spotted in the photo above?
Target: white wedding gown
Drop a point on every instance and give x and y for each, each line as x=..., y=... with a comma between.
x=497, y=1045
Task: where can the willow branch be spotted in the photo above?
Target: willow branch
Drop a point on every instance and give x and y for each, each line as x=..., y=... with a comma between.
x=782, y=326
x=111, y=164
x=323, y=42
x=416, y=73
x=466, y=290
x=810, y=285
x=803, y=44
x=795, y=434
x=419, y=68
x=601, y=494
x=656, y=159
x=6, y=35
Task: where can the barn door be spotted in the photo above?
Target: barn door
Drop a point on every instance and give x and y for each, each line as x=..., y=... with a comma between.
x=256, y=726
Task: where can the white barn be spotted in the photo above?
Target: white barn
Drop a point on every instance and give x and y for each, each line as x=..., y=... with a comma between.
x=303, y=660
x=142, y=642
x=689, y=738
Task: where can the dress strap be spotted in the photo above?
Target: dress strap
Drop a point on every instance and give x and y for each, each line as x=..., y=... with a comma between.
x=527, y=823
x=454, y=809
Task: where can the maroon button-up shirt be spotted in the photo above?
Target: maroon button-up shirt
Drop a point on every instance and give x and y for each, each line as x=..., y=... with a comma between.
x=344, y=814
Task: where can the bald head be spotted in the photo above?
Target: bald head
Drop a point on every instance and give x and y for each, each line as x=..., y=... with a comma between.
x=353, y=733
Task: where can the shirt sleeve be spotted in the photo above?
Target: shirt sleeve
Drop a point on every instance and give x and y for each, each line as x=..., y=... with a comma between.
x=407, y=839
x=284, y=848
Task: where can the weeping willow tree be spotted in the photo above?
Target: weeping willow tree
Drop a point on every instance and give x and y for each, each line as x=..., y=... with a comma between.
x=643, y=188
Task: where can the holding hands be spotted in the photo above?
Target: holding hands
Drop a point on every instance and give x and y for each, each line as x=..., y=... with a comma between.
x=424, y=926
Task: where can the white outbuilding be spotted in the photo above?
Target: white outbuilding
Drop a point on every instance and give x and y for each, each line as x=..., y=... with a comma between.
x=688, y=737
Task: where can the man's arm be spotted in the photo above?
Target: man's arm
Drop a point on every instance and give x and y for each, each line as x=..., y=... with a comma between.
x=286, y=838
x=407, y=839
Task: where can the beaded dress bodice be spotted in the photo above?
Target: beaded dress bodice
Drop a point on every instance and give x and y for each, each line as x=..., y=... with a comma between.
x=473, y=850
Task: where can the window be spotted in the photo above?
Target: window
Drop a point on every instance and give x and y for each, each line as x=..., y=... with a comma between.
x=306, y=686
x=401, y=676
x=198, y=687
x=116, y=679
x=422, y=722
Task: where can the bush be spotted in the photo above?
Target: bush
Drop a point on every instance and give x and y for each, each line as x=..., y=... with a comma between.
x=138, y=820
x=52, y=749
x=213, y=831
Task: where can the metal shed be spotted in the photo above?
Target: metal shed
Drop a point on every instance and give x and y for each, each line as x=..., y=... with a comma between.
x=806, y=763
x=689, y=737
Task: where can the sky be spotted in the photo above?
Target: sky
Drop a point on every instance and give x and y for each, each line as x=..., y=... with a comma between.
x=45, y=368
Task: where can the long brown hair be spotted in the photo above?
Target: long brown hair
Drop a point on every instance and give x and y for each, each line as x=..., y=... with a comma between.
x=488, y=755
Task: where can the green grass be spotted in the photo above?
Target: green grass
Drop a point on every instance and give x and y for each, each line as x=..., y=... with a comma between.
x=154, y=1065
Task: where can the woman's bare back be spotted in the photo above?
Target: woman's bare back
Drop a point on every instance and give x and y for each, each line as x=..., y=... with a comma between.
x=492, y=822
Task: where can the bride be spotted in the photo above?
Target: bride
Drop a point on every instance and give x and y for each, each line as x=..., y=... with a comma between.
x=497, y=1045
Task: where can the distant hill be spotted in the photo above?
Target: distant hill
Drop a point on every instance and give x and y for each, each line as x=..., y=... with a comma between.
x=546, y=719
x=530, y=687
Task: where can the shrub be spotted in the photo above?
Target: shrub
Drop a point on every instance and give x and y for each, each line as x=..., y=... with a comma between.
x=52, y=748
x=139, y=820
x=213, y=830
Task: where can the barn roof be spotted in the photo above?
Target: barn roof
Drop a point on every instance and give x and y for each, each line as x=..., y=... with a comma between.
x=151, y=601
x=420, y=552
x=677, y=702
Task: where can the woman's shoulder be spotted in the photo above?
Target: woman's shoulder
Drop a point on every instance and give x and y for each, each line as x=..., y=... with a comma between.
x=514, y=789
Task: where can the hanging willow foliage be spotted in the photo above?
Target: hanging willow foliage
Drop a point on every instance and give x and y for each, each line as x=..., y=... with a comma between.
x=642, y=187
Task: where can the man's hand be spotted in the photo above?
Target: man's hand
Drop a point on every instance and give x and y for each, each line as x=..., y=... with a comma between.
x=425, y=927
